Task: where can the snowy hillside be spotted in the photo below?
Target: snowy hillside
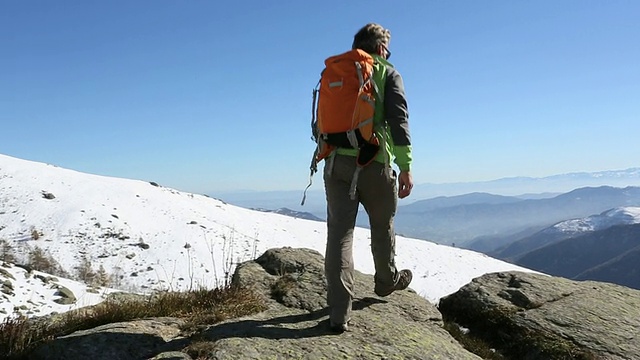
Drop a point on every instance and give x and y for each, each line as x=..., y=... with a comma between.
x=617, y=216
x=35, y=293
x=150, y=237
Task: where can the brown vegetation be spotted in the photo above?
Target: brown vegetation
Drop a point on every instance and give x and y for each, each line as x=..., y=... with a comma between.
x=199, y=307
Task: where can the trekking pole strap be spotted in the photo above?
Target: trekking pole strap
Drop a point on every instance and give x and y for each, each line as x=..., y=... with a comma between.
x=304, y=194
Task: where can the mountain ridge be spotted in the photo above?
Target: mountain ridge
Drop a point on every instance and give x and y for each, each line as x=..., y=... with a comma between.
x=602, y=255
x=463, y=223
x=568, y=229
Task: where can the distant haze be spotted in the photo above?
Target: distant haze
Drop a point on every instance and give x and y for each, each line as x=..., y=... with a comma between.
x=530, y=187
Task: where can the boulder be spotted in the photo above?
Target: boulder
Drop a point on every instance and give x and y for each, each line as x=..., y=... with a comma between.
x=401, y=326
x=534, y=316
x=295, y=325
x=67, y=297
x=137, y=339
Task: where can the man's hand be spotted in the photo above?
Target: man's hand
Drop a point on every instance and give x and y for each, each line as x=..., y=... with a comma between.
x=405, y=184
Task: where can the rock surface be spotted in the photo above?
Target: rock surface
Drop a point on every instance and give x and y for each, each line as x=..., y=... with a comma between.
x=530, y=316
x=401, y=326
x=295, y=326
x=521, y=315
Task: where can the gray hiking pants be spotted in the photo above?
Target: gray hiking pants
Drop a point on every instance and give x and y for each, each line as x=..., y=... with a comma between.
x=378, y=194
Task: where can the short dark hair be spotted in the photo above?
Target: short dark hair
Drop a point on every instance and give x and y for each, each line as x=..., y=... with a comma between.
x=370, y=37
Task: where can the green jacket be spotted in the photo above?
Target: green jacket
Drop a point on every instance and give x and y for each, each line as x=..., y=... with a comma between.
x=391, y=117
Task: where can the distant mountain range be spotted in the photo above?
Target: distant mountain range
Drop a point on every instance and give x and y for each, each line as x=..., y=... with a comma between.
x=292, y=213
x=516, y=186
x=466, y=199
x=485, y=222
x=602, y=247
x=521, y=187
x=570, y=229
x=609, y=255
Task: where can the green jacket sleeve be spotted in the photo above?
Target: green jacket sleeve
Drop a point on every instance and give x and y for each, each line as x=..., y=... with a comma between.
x=397, y=118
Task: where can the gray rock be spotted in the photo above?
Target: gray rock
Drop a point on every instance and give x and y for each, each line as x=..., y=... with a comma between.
x=67, y=297
x=401, y=326
x=531, y=316
x=522, y=315
x=172, y=355
x=136, y=339
x=6, y=274
x=8, y=286
x=123, y=297
x=48, y=195
x=46, y=279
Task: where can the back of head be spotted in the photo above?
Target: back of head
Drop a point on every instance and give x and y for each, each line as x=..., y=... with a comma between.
x=370, y=37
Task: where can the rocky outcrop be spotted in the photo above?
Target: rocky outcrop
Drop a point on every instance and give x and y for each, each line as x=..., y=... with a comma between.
x=531, y=316
x=401, y=326
x=295, y=326
x=520, y=315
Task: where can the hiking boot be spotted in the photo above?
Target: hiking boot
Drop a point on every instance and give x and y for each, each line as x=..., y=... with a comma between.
x=402, y=282
x=339, y=328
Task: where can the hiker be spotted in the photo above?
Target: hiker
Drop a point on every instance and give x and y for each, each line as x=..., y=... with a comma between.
x=354, y=176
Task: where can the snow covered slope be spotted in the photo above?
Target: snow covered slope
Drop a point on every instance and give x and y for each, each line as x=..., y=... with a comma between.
x=150, y=237
x=33, y=293
x=617, y=216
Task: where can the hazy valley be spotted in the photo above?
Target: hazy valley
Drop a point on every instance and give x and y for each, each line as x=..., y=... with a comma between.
x=589, y=232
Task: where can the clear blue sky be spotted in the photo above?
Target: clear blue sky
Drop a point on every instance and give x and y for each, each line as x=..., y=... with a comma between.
x=208, y=96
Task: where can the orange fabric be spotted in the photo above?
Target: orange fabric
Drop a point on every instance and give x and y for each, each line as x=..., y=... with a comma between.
x=324, y=150
x=342, y=104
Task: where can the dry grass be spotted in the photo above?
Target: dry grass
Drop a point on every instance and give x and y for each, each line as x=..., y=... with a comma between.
x=6, y=252
x=282, y=286
x=200, y=349
x=198, y=307
x=39, y=260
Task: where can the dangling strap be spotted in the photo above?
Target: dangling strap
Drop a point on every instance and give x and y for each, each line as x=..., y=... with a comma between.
x=387, y=161
x=375, y=90
x=304, y=194
x=354, y=183
x=313, y=169
x=360, y=74
x=331, y=160
x=315, y=136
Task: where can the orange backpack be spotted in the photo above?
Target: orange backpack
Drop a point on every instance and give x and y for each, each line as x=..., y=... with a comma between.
x=343, y=108
x=345, y=96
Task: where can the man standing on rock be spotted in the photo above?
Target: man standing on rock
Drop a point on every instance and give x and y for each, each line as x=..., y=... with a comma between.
x=377, y=189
